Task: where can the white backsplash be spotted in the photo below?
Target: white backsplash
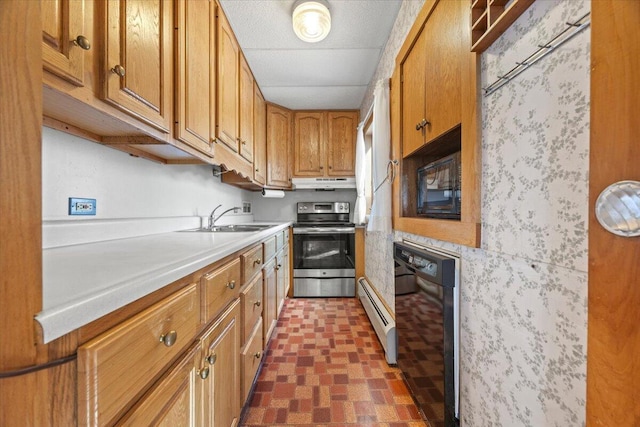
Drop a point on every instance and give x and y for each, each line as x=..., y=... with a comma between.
x=134, y=196
x=265, y=209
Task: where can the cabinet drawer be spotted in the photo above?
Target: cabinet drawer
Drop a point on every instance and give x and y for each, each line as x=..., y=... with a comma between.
x=251, y=298
x=251, y=358
x=280, y=239
x=173, y=398
x=269, y=247
x=220, y=287
x=252, y=262
x=116, y=366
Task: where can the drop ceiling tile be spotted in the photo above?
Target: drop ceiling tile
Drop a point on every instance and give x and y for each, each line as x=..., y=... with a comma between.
x=316, y=98
x=262, y=24
x=328, y=67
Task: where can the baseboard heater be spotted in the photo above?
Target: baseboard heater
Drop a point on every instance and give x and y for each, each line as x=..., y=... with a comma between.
x=381, y=320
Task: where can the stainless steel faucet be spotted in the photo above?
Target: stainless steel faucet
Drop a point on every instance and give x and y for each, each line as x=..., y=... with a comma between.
x=212, y=219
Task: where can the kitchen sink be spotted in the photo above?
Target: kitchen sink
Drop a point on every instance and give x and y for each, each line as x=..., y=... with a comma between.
x=233, y=228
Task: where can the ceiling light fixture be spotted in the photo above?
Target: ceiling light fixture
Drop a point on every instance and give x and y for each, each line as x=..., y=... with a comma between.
x=311, y=20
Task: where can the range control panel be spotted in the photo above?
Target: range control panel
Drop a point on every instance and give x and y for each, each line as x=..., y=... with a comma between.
x=323, y=207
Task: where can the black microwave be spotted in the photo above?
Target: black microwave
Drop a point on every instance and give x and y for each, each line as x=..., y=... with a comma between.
x=439, y=188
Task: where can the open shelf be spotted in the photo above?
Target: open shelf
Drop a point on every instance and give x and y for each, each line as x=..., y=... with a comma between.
x=489, y=19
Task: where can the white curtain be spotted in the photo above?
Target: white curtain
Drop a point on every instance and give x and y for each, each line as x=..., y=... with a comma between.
x=380, y=218
x=360, y=210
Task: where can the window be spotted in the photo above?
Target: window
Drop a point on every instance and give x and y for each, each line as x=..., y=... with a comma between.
x=368, y=149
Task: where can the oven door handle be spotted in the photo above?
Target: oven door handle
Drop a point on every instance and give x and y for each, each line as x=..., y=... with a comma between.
x=324, y=230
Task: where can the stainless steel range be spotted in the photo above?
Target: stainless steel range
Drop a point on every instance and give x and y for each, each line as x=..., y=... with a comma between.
x=323, y=250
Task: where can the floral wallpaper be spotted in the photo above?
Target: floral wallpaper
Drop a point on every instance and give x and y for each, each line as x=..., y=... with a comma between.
x=524, y=292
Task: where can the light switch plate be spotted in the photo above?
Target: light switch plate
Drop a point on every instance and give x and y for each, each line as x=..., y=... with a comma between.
x=78, y=206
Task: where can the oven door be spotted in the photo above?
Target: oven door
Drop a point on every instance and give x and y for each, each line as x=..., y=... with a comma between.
x=323, y=261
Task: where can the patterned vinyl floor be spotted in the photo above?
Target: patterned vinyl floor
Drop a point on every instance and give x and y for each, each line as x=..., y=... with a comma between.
x=325, y=367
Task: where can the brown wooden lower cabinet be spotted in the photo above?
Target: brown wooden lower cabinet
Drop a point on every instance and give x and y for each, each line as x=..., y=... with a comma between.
x=269, y=292
x=115, y=367
x=191, y=358
x=251, y=358
x=177, y=400
x=221, y=346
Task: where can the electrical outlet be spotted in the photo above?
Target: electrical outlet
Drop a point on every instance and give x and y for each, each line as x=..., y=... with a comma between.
x=79, y=206
x=246, y=207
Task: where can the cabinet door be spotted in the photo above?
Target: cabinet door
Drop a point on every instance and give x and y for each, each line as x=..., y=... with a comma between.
x=227, y=100
x=177, y=398
x=308, y=144
x=269, y=295
x=246, y=110
x=282, y=269
x=221, y=344
x=138, y=64
x=62, y=24
x=413, y=87
x=444, y=40
x=259, y=137
x=341, y=142
x=278, y=146
x=195, y=33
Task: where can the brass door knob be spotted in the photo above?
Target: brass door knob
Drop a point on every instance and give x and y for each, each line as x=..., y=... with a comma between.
x=231, y=284
x=257, y=261
x=118, y=70
x=169, y=339
x=257, y=303
x=82, y=42
x=204, y=373
x=257, y=355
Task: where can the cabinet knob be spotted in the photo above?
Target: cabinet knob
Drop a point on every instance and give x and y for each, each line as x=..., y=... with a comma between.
x=422, y=124
x=257, y=303
x=321, y=167
x=118, y=70
x=204, y=373
x=244, y=142
x=257, y=261
x=278, y=267
x=169, y=339
x=82, y=42
x=211, y=359
x=231, y=284
x=258, y=355
x=257, y=170
x=330, y=167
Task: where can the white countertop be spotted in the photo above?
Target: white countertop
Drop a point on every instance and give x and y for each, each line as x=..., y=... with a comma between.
x=82, y=283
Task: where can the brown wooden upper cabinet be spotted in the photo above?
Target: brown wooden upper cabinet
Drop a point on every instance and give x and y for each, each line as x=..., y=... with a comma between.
x=324, y=143
x=138, y=59
x=195, y=80
x=260, y=136
x=431, y=97
x=246, y=96
x=279, y=122
x=308, y=143
x=63, y=39
x=228, y=82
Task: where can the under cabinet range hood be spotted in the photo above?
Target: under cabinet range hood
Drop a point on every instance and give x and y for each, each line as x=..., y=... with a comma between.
x=323, y=183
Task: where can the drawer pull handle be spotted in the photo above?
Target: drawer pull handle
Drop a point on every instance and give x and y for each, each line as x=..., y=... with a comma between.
x=82, y=42
x=118, y=70
x=231, y=284
x=204, y=373
x=211, y=359
x=257, y=355
x=169, y=339
x=257, y=261
x=257, y=303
